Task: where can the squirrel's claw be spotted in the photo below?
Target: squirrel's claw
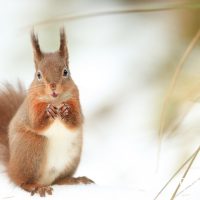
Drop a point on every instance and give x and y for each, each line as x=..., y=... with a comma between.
x=37, y=189
x=84, y=180
x=64, y=110
x=52, y=111
x=42, y=191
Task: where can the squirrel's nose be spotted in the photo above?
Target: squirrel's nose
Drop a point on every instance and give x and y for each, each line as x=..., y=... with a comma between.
x=53, y=86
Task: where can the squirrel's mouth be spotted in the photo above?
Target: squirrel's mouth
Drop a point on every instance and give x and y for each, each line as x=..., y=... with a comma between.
x=54, y=94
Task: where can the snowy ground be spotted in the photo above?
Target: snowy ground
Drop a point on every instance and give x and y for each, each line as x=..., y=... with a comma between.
x=123, y=165
x=114, y=64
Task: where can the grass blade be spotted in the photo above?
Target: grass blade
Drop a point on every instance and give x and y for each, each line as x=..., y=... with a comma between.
x=189, y=186
x=174, y=175
x=174, y=80
x=186, y=172
x=185, y=5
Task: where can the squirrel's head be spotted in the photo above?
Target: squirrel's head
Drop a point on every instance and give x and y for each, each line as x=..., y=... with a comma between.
x=52, y=76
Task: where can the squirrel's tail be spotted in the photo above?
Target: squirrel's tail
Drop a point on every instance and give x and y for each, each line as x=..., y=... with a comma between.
x=10, y=100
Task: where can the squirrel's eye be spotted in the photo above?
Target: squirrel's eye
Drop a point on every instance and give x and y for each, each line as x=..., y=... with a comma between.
x=65, y=72
x=39, y=75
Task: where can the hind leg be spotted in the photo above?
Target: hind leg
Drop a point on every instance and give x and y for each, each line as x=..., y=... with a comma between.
x=73, y=181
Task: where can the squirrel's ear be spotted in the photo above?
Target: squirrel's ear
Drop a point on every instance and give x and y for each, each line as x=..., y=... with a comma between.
x=36, y=47
x=63, y=46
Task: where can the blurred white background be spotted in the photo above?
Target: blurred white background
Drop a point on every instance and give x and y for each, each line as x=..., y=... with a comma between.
x=122, y=65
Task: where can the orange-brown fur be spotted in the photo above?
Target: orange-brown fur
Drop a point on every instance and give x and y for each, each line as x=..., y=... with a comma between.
x=27, y=117
x=10, y=100
x=38, y=117
x=26, y=158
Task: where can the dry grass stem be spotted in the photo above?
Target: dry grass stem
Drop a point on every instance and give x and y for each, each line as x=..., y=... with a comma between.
x=174, y=175
x=174, y=80
x=185, y=174
x=150, y=8
x=171, y=89
x=180, y=119
x=189, y=186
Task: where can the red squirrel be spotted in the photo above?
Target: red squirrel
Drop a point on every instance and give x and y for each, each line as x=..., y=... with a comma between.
x=42, y=129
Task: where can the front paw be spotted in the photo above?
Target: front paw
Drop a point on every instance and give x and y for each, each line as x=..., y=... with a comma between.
x=52, y=111
x=64, y=110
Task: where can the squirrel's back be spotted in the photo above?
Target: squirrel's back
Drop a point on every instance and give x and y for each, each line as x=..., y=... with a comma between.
x=10, y=100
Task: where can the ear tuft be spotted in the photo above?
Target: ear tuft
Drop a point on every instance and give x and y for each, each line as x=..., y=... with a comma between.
x=63, y=46
x=36, y=47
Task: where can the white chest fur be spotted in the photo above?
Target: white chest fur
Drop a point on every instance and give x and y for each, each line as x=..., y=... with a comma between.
x=63, y=147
